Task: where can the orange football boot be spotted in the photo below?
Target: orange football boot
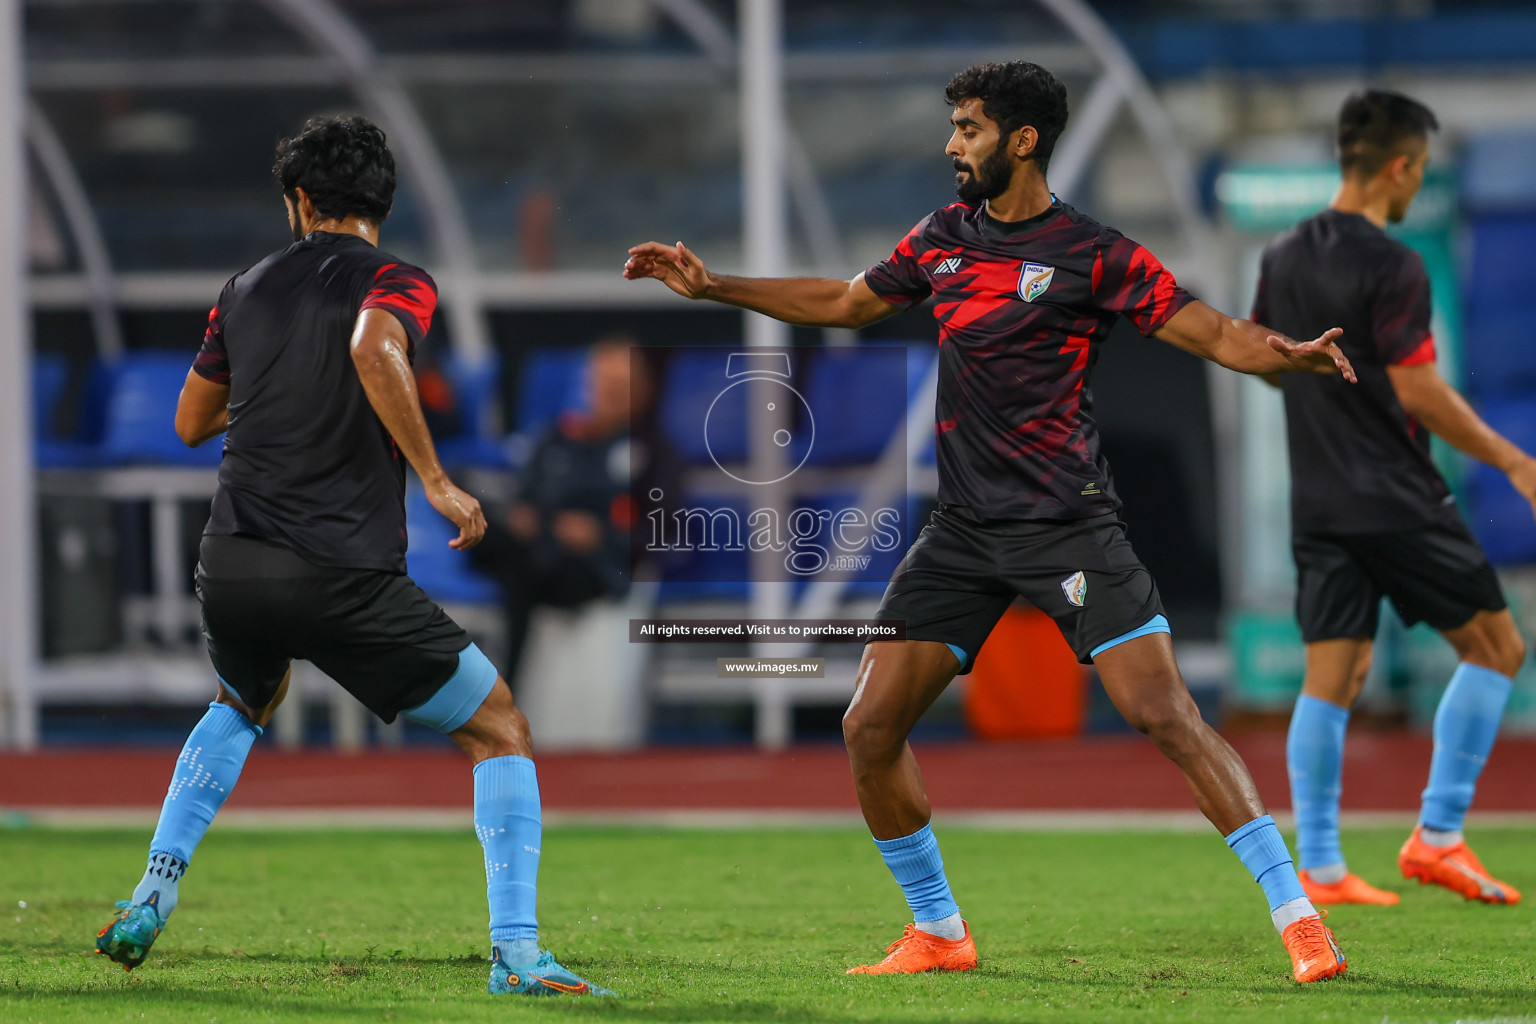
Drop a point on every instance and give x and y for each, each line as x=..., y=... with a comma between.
x=1454, y=867
x=1349, y=889
x=917, y=951
x=1315, y=956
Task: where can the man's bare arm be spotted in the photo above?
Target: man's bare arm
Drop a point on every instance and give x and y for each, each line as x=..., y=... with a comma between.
x=1430, y=399
x=806, y=301
x=202, y=411
x=380, y=351
x=1247, y=347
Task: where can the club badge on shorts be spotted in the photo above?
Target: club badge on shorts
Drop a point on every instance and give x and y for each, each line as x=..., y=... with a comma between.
x=1075, y=587
x=1034, y=279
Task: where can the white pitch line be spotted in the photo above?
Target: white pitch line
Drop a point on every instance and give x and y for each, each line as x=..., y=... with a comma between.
x=454, y=819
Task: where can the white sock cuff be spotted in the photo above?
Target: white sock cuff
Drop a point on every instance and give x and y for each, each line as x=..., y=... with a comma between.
x=951, y=927
x=1291, y=911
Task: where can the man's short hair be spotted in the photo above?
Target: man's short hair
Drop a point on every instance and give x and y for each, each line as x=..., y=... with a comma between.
x=343, y=164
x=1373, y=126
x=1015, y=94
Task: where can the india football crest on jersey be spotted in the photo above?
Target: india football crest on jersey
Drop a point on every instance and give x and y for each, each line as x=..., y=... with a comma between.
x=1075, y=587
x=1034, y=279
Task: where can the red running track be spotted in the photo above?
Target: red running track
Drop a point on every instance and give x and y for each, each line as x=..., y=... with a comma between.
x=1382, y=773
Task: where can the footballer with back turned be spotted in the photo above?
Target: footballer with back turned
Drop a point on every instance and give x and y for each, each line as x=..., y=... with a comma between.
x=1371, y=516
x=306, y=364
x=1025, y=289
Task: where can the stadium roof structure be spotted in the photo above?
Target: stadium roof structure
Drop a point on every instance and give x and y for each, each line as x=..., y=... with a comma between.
x=322, y=54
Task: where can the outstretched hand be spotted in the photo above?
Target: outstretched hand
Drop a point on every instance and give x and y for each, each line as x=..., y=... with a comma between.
x=672, y=265
x=1320, y=355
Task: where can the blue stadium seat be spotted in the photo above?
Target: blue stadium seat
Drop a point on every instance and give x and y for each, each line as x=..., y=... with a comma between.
x=1500, y=301
x=441, y=571
x=50, y=375
x=139, y=424
x=871, y=580
x=50, y=379
x=1499, y=516
x=694, y=379
x=476, y=390
x=699, y=575
x=859, y=397
x=83, y=450
x=549, y=383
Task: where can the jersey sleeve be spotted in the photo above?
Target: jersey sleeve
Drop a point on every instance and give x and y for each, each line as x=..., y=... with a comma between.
x=1400, y=313
x=899, y=278
x=212, y=362
x=409, y=293
x=1130, y=281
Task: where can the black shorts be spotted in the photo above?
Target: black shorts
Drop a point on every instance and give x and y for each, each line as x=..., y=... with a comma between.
x=963, y=573
x=376, y=633
x=1435, y=574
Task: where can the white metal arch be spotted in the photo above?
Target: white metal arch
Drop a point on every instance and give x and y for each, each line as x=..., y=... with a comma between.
x=812, y=210
x=321, y=23
x=1121, y=81
x=84, y=228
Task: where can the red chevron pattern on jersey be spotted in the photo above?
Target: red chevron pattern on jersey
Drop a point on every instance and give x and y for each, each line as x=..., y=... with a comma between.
x=1022, y=309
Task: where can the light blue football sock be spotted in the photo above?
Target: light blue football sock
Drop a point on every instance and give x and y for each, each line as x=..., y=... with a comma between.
x=915, y=862
x=206, y=771
x=509, y=824
x=1261, y=849
x=1314, y=757
x=1466, y=723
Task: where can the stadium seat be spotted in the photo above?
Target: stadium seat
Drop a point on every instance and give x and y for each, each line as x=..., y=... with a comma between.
x=694, y=379
x=1499, y=516
x=476, y=389
x=859, y=396
x=50, y=379
x=50, y=375
x=444, y=573
x=549, y=383
x=140, y=416
x=871, y=580
x=1500, y=283
x=698, y=574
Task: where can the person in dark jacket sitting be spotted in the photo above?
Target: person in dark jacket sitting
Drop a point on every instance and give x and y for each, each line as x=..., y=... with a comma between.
x=565, y=540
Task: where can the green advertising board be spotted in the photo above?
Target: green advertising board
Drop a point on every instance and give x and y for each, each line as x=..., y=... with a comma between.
x=1272, y=197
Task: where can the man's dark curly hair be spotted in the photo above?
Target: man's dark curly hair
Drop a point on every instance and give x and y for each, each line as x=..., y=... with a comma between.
x=1374, y=124
x=1016, y=94
x=343, y=164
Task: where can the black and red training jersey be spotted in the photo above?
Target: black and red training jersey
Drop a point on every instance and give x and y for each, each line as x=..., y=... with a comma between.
x=1023, y=308
x=1359, y=463
x=307, y=463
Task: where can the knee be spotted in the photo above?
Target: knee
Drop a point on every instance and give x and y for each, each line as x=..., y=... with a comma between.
x=508, y=736
x=1166, y=723
x=869, y=737
x=499, y=732
x=1502, y=650
x=1510, y=652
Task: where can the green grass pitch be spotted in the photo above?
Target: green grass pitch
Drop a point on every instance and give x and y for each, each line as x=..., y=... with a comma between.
x=754, y=925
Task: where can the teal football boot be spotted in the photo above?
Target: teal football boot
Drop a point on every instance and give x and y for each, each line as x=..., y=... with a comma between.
x=543, y=977
x=127, y=937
